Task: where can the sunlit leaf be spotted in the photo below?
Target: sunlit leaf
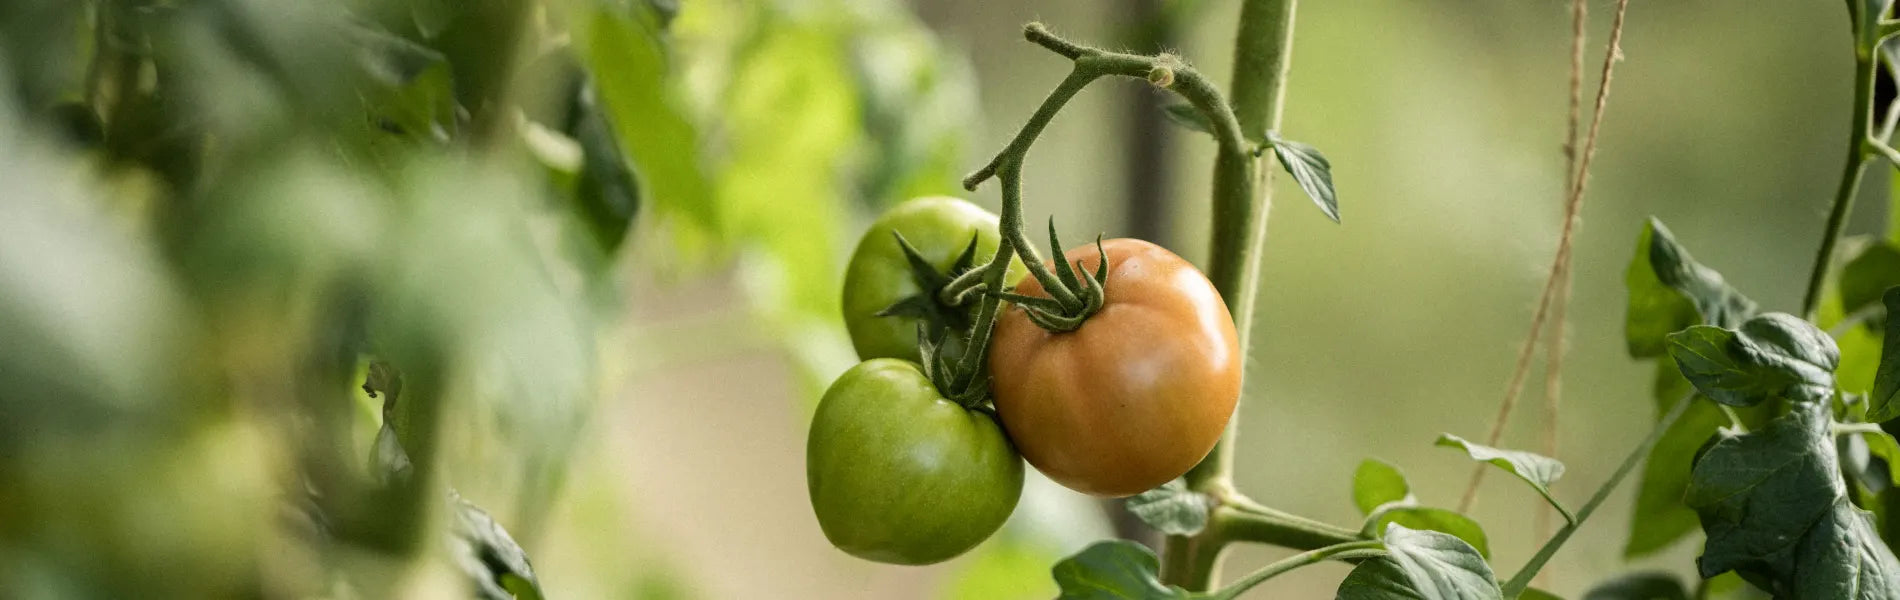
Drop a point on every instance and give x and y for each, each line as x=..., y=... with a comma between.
x=1537, y=470
x=1376, y=483
x=1431, y=519
x=1422, y=565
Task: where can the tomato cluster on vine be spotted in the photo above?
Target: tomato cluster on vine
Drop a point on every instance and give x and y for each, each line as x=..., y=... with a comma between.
x=1122, y=397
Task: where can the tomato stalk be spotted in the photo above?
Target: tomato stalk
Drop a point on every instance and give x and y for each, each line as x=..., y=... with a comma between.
x=1079, y=294
x=1862, y=147
x=1263, y=50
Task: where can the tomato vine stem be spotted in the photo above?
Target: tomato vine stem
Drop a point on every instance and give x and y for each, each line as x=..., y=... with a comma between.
x=1347, y=551
x=1263, y=50
x=1869, y=30
x=1522, y=579
x=1090, y=64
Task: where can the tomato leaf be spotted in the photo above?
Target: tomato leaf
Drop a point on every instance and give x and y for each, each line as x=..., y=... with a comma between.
x=1114, y=570
x=496, y=566
x=1775, y=355
x=1535, y=469
x=1669, y=290
x=607, y=193
x=1421, y=565
x=1881, y=404
x=627, y=57
x=1777, y=513
x=1188, y=117
x=1310, y=169
x=1882, y=445
x=1376, y=484
x=1874, y=269
x=1537, y=594
x=1172, y=509
x=1639, y=586
x=1430, y=519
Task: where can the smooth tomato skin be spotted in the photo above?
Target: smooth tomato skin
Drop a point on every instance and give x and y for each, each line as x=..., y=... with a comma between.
x=879, y=275
x=898, y=474
x=1134, y=397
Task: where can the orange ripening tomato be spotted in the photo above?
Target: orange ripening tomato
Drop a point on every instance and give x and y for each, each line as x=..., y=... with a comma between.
x=1134, y=397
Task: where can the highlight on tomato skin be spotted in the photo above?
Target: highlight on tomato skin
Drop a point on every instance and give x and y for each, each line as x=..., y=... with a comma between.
x=898, y=474
x=1139, y=393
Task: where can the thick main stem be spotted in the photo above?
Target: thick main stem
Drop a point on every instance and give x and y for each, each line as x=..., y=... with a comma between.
x=1263, y=50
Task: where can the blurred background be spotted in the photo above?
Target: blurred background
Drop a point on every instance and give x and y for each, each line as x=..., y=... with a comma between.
x=599, y=243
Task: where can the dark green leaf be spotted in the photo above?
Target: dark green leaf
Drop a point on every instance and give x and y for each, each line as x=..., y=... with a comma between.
x=1189, y=118
x=1881, y=404
x=1376, y=483
x=1843, y=557
x=1669, y=290
x=1114, y=570
x=1659, y=517
x=1422, y=565
x=607, y=195
x=1537, y=470
x=1172, y=509
x=1776, y=513
x=494, y=563
x=1775, y=355
x=1537, y=594
x=1431, y=519
x=1758, y=492
x=1639, y=586
x=1310, y=169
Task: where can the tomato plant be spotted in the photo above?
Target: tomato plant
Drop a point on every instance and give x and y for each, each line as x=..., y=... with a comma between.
x=325, y=300
x=899, y=474
x=1137, y=394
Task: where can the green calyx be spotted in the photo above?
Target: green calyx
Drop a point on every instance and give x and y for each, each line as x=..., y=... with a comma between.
x=929, y=305
x=945, y=369
x=1076, y=293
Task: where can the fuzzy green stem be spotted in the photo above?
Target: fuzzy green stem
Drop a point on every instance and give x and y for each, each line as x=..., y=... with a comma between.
x=1240, y=518
x=1089, y=64
x=1522, y=579
x=1263, y=50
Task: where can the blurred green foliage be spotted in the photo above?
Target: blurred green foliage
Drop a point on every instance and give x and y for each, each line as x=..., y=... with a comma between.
x=279, y=279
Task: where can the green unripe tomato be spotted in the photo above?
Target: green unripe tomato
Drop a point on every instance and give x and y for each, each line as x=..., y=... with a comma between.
x=900, y=475
x=879, y=275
